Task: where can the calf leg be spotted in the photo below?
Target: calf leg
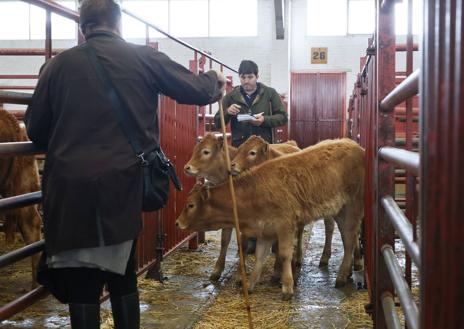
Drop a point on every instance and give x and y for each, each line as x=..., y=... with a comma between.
x=244, y=244
x=299, y=245
x=29, y=225
x=349, y=230
x=263, y=248
x=329, y=229
x=285, y=254
x=275, y=279
x=10, y=224
x=226, y=234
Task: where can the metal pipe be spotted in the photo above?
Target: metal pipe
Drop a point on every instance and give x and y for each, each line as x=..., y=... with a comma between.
x=20, y=201
x=406, y=89
x=410, y=309
x=16, y=306
x=18, y=148
x=403, y=47
x=391, y=316
x=21, y=253
x=185, y=44
x=18, y=76
x=12, y=97
x=17, y=87
x=405, y=159
x=55, y=8
x=403, y=227
x=27, y=52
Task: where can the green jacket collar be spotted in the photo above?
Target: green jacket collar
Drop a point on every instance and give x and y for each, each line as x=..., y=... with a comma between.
x=237, y=96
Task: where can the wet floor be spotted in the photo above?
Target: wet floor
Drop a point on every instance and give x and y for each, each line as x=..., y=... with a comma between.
x=187, y=299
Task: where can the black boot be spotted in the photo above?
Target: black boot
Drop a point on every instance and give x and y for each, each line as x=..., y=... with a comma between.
x=85, y=316
x=126, y=311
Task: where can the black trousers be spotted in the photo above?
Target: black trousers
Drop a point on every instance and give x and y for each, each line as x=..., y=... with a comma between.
x=84, y=285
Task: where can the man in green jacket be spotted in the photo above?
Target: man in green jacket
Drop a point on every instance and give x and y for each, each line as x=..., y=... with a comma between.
x=261, y=102
x=252, y=97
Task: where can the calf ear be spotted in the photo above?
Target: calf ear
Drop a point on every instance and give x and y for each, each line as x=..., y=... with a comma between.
x=265, y=149
x=204, y=192
x=220, y=140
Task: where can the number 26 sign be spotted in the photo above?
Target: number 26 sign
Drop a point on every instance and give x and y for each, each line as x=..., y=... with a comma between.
x=319, y=55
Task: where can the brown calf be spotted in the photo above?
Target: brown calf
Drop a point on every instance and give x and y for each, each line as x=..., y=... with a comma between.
x=19, y=175
x=277, y=196
x=254, y=152
x=209, y=161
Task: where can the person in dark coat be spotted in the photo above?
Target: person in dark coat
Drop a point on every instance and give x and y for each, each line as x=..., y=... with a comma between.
x=256, y=99
x=92, y=180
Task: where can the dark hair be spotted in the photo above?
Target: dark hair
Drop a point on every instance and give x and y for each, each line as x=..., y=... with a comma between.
x=95, y=13
x=248, y=67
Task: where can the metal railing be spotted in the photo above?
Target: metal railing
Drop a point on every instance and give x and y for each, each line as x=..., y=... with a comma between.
x=402, y=158
x=374, y=118
x=411, y=311
x=410, y=161
x=406, y=89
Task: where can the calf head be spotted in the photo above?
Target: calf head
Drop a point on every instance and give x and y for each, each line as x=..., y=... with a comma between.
x=200, y=213
x=253, y=152
x=208, y=160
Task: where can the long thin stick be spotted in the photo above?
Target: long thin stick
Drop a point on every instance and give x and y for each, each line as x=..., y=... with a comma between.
x=237, y=225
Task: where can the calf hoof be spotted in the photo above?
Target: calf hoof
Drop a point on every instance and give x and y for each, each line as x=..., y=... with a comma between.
x=323, y=263
x=287, y=296
x=340, y=283
x=215, y=276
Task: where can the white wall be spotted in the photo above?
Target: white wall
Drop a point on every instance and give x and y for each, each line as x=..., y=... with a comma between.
x=343, y=51
x=275, y=58
x=268, y=53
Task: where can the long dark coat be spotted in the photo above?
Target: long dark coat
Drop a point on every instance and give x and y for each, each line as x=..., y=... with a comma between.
x=92, y=182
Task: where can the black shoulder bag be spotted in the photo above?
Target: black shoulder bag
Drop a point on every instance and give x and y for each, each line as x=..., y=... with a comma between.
x=157, y=169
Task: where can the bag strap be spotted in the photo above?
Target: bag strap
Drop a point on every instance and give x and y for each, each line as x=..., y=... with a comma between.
x=125, y=120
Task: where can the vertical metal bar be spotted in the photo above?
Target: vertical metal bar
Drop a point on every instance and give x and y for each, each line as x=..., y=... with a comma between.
x=147, y=35
x=442, y=177
x=210, y=105
x=410, y=179
x=193, y=243
x=370, y=143
x=48, y=35
x=384, y=233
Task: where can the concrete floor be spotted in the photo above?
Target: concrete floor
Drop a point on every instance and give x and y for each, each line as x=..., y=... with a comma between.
x=182, y=300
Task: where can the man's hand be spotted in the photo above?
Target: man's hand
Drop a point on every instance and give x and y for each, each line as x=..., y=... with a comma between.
x=258, y=121
x=234, y=109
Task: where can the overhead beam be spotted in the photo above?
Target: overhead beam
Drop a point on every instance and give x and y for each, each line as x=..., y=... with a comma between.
x=279, y=19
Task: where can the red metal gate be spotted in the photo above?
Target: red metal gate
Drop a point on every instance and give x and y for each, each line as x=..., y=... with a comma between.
x=438, y=252
x=317, y=107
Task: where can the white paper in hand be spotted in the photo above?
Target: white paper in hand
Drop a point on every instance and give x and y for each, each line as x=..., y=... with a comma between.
x=247, y=117
x=244, y=117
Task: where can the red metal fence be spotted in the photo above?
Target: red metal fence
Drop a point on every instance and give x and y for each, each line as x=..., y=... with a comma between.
x=381, y=125
x=180, y=127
